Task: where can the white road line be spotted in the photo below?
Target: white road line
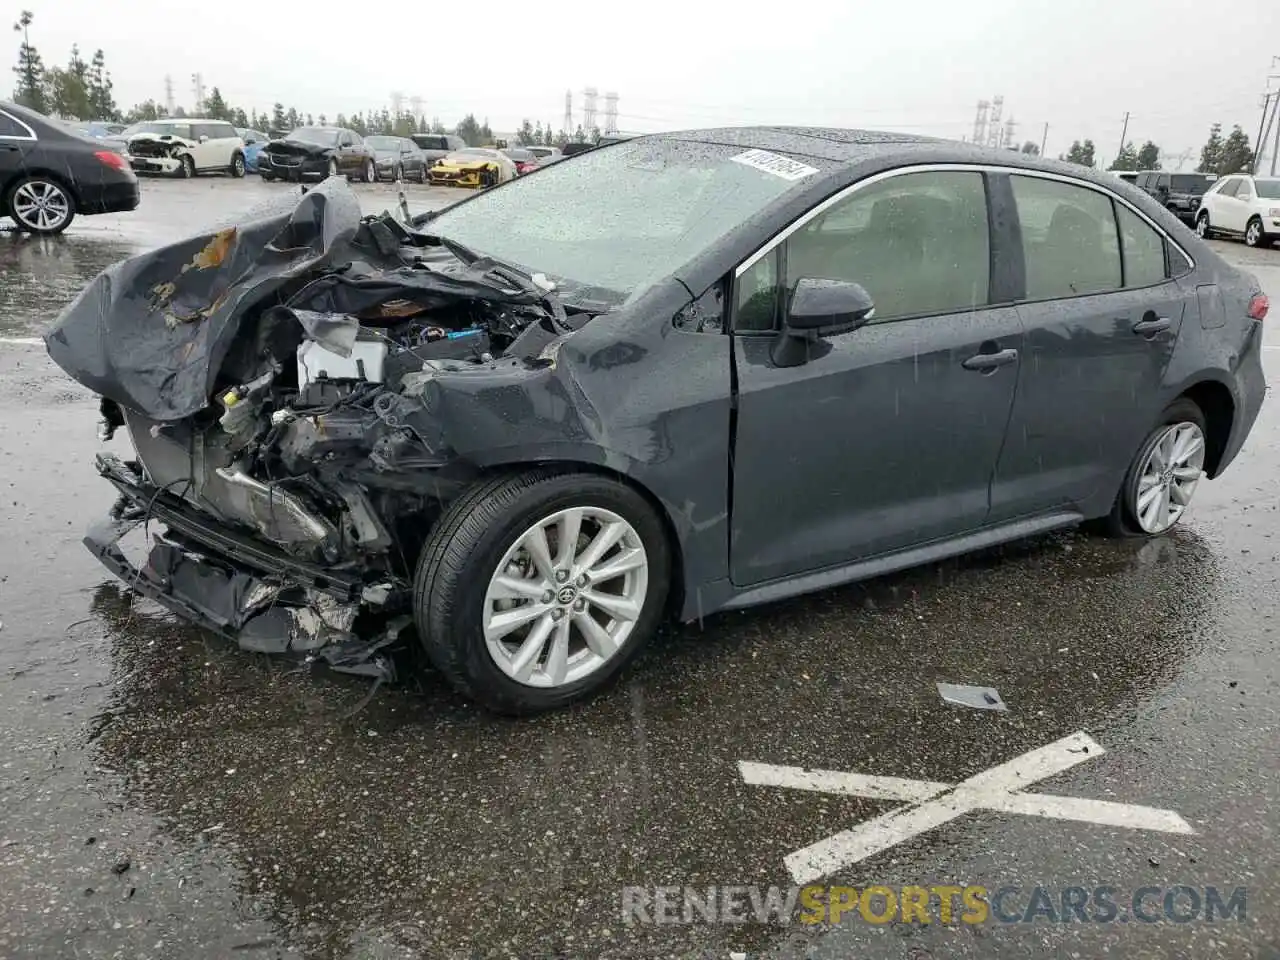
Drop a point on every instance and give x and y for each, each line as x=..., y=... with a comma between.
x=932, y=804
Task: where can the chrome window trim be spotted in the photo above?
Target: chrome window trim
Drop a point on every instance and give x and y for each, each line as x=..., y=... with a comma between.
x=31, y=134
x=853, y=188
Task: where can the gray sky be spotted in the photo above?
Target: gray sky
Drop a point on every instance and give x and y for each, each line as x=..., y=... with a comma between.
x=918, y=65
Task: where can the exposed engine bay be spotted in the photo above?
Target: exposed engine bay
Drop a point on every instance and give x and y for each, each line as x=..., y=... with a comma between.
x=285, y=380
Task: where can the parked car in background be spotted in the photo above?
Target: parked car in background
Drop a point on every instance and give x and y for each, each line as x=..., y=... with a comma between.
x=436, y=146
x=546, y=155
x=317, y=152
x=397, y=158
x=1242, y=206
x=473, y=167
x=49, y=174
x=573, y=148
x=853, y=391
x=1180, y=193
x=254, y=141
x=1128, y=176
x=524, y=159
x=186, y=148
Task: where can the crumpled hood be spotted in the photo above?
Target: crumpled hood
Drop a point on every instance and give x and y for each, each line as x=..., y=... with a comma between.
x=152, y=333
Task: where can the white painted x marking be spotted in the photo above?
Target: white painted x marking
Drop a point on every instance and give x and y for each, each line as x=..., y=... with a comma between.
x=930, y=804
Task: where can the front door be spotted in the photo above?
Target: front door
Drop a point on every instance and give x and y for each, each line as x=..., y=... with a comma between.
x=1101, y=317
x=887, y=436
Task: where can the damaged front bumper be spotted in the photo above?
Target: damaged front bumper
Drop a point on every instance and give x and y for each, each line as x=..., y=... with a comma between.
x=161, y=165
x=243, y=588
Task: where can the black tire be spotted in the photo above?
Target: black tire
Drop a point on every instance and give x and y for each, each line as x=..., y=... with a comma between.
x=267, y=177
x=470, y=540
x=1203, y=230
x=45, y=187
x=237, y=168
x=370, y=174
x=1256, y=238
x=422, y=174
x=1120, y=523
x=188, y=170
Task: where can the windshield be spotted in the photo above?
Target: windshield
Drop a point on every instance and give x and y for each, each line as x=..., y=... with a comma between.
x=1189, y=183
x=619, y=219
x=1268, y=189
x=156, y=128
x=383, y=143
x=318, y=135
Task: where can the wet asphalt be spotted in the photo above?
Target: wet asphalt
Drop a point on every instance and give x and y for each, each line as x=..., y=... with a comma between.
x=163, y=794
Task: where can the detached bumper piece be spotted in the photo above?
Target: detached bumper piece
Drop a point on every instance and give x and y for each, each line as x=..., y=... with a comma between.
x=249, y=592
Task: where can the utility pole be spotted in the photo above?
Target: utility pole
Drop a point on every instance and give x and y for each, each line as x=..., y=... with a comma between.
x=1124, y=131
x=1044, y=139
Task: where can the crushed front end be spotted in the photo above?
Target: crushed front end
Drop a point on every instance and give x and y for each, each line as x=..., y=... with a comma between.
x=286, y=389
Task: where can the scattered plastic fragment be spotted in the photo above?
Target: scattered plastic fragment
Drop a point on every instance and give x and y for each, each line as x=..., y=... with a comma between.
x=979, y=698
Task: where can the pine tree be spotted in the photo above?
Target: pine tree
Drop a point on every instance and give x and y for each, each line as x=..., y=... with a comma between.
x=101, y=89
x=215, y=108
x=1211, y=152
x=1126, y=159
x=1149, y=157
x=30, y=69
x=277, y=116
x=1236, y=155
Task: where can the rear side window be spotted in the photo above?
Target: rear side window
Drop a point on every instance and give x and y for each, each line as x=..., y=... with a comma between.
x=10, y=127
x=1244, y=191
x=1142, y=249
x=1069, y=239
x=917, y=242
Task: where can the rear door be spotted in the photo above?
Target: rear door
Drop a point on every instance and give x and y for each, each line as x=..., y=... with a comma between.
x=16, y=139
x=1221, y=204
x=887, y=436
x=207, y=150
x=1101, y=314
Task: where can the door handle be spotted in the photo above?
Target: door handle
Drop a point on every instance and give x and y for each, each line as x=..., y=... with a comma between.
x=1152, y=325
x=988, y=362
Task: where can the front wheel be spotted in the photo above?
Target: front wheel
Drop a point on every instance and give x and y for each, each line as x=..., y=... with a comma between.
x=1163, y=474
x=1253, y=235
x=1202, y=227
x=237, y=166
x=535, y=589
x=41, y=205
x=188, y=167
x=267, y=177
x=370, y=173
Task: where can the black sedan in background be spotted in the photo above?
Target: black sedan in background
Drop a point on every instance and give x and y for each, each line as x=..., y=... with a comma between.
x=49, y=173
x=397, y=158
x=318, y=152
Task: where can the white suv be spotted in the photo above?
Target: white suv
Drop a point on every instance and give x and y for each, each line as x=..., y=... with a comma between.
x=185, y=147
x=1242, y=206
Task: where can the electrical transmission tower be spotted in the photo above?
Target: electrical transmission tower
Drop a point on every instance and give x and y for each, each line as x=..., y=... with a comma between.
x=197, y=87
x=589, y=96
x=611, y=112
x=994, y=130
x=980, y=122
x=397, y=103
x=568, y=113
x=169, y=105
x=1010, y=131
x=415, y=106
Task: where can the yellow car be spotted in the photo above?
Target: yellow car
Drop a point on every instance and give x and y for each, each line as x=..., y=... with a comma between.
x=473, y=167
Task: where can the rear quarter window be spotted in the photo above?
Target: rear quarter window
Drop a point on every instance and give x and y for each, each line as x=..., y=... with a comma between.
x=11, y=127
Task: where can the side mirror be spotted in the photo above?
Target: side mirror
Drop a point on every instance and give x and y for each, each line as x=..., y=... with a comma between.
x=820, y=308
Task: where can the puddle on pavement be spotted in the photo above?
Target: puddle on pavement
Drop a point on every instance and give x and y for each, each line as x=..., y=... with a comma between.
x=40, y=275
x=422, y=822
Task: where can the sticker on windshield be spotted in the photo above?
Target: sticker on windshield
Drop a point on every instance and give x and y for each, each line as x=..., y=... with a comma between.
x=774, y=163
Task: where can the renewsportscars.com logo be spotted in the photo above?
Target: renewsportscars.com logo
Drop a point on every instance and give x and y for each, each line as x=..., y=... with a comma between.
x=939, y=903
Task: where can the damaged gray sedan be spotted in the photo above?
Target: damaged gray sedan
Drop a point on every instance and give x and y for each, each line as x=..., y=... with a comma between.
x=681, y=374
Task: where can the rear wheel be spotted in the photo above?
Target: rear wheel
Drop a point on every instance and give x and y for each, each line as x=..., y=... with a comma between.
x=1163, y=474
x=370, y=173
x=422, y=174
x=41, y=205
x=535, y=589
x=333, y=167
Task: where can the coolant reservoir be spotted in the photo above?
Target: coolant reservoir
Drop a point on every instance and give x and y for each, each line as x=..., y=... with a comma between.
x=365, y=363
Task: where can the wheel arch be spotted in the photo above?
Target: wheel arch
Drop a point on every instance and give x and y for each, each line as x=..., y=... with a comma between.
x=676, y=588
x=1218, y=405
x=6, y=187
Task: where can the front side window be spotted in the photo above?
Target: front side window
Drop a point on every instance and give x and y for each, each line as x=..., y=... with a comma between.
x=1229, y=187
x=918, y=243
x=1069, y=241
x=1142, y=248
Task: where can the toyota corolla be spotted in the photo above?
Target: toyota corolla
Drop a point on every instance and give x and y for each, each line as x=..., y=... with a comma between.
x=683, y=373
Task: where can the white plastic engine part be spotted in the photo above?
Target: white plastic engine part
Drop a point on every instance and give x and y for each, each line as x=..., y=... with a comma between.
x=365, y=362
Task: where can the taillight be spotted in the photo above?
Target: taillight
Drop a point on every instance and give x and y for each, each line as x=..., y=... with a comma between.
x=112, y=159
x=1258, y=307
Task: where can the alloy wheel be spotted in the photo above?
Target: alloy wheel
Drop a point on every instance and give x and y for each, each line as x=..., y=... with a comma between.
x=1253, y=233
x=41, y=206
x=1202, y=227
x=370, y=175
x=565, y=597
x=1169, y=477
x=333, y=168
